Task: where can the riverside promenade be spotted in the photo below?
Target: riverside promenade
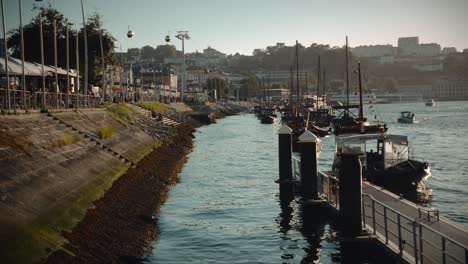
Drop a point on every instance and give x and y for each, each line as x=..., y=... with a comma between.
x=75, y=184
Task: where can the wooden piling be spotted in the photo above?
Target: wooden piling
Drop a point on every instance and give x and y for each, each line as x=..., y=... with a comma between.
x=350, y=191
x=285, y=161
x=308, y=149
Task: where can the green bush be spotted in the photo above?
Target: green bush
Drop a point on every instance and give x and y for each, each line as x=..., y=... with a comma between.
x=105, y=131
x=160, y=108
x=122, y=113
x=69, y=139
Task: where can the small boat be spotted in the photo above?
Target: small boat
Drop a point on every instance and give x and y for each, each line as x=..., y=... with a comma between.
x=267, y=117
x=386, y=161
x=348, y=123
x=407, y=117
x=430, y=102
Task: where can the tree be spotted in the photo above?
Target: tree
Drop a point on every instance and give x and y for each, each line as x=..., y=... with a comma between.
x=164, y=51
x=457, y=64
x=32, y=38
x=48, y=15
x=218, y=84
x=249, y=87
x=389, y=85
x=94, y=28
x=147, y=53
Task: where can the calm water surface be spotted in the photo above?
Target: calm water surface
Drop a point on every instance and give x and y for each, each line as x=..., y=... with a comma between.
x=226, y=207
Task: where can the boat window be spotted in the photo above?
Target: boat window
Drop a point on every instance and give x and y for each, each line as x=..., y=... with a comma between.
x=388, y=154
x=401, y=152
x=354, y=148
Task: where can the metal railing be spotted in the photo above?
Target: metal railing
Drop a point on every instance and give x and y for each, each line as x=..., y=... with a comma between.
x=47, y=100
x=413, y=240
x=328, y=188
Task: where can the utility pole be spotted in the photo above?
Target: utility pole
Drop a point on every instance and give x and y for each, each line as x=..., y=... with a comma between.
x=68, y=65
x=85, y=51
x=183, y=35
x=6, y=57
x=43, y=109
x=23, y=76
x=104, y=83
x=56, y=88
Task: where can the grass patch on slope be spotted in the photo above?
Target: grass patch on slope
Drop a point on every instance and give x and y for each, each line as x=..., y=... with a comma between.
x=160, y=108
x=122, y=113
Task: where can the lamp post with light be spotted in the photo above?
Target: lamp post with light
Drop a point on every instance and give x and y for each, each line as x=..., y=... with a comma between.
x=130, y=34
x=182, y=35
x=6, y=58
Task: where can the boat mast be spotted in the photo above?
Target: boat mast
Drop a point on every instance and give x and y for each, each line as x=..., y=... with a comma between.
x=297, y=79
x=318, y=81
x=291, y=89
x=324, y=84
x=361, y=114
x=305, y=89
x=263, y=90
x=268, y=91
x=347, y=79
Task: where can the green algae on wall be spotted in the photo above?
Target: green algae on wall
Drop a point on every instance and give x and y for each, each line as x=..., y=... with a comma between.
x=158, y=107
x=140, y=152
x=33, y=242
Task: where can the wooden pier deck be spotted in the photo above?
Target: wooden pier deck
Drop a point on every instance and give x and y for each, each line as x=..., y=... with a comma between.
x=417, y=234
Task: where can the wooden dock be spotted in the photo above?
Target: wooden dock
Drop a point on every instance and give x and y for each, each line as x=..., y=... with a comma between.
x=417, y=234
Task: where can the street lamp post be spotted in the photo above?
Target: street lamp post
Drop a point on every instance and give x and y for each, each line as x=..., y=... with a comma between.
x=23, y=77
x=130, y=34
x=6, y=58
x=183, y=35
x=104, y=83
x=86, y=53
x=43, y=109
x=56, y=88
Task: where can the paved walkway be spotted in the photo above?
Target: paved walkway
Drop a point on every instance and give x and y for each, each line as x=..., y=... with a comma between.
x=412, y=230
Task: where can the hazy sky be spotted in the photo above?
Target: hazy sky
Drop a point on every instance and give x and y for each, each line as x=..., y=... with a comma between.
x=243, y=25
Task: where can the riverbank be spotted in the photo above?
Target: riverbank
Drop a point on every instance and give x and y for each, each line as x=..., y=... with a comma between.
x=85, y=186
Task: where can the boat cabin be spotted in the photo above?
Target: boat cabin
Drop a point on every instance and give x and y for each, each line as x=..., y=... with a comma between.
x=406, y=117
x=379, y=151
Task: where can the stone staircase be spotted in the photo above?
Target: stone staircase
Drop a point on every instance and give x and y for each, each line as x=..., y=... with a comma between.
x=87, y=136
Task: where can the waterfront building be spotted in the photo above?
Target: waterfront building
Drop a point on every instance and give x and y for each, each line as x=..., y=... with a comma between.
x=451, y=90
x=448, y=50
x=374, y=51
x=419, y=89
x=280, y=76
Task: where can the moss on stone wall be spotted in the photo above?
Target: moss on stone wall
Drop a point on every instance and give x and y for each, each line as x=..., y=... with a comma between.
x=140, y=152
x=31, y=242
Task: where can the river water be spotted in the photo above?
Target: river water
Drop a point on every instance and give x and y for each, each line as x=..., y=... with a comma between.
x=226, y=208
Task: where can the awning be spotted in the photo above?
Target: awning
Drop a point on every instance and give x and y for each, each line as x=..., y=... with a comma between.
x=30, y=68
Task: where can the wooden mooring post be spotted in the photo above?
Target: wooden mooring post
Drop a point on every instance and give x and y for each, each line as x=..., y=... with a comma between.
x=308, y=150
x=350, y=193
x=285, y=161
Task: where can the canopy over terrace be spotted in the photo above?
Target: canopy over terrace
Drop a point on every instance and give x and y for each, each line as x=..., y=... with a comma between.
x=30, y=69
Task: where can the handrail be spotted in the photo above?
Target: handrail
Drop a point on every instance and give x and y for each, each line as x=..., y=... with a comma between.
x=429, y=211
x=418, y=253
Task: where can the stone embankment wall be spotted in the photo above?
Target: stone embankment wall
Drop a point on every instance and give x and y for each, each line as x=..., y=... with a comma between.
x=55, y=169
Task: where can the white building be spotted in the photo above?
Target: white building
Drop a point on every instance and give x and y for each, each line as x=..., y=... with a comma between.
x=410, y=47
x=451, y=90
x=448, y=50
x=280, y=76
x=374, y=51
